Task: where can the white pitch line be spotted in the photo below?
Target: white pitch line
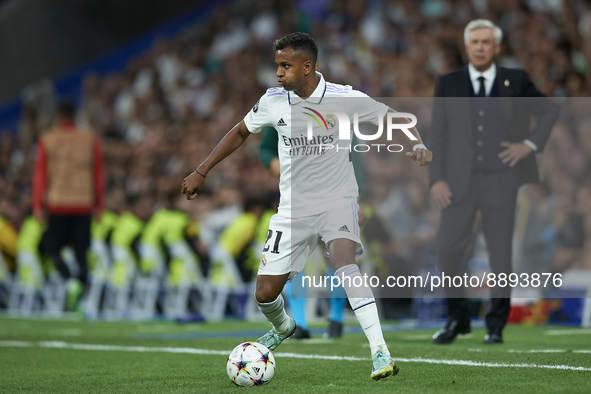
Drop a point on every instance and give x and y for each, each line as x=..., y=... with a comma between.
x=538, y=351
x=15, y=344
x=568, y=332
x=486, y=364
x=81, y=346
x=140, y=349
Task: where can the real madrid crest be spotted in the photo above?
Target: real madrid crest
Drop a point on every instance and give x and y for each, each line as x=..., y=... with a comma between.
x=263, y=260
x=330, y=121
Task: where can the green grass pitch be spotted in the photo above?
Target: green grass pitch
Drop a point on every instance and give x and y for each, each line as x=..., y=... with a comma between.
x=70, y=356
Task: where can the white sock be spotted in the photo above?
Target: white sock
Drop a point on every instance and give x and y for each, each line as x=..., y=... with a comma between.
x=275, y=313
x=364, y=305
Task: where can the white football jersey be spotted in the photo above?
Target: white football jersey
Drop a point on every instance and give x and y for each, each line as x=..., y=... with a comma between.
x=316, y=173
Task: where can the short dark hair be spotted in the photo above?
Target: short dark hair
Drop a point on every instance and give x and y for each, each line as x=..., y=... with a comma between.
x=65, y=110
x=299, y=42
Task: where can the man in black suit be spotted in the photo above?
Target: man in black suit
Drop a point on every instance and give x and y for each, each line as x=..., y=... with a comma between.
x=483, y=151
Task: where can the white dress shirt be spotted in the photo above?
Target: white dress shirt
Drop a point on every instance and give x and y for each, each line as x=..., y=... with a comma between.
x=489, y=78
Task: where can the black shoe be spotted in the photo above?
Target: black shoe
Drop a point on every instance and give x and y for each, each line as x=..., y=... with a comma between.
x=335, y=330
x=300, y=333
x=451, y=330
x=493, y=336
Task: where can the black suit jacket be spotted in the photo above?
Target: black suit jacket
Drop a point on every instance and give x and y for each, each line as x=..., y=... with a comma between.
x=450, y=136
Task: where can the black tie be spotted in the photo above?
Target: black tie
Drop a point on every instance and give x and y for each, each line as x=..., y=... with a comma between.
x=481, y=92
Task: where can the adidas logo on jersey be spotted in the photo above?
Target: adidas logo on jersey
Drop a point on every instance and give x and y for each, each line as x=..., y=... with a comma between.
x=281, y=122
x=344, y=228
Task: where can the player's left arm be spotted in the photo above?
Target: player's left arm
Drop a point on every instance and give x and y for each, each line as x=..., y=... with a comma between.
x=419, y=153
x=368, y=108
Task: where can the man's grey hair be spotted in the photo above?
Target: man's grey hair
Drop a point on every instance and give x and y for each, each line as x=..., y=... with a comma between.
x=483, y=24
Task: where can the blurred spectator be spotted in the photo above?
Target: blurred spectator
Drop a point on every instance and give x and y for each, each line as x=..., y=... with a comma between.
x=68, y=185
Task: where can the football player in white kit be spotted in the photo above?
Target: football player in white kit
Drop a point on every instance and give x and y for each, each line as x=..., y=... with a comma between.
x=318, y=189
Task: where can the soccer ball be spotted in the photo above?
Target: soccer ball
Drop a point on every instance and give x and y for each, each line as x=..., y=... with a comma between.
x=250, y=364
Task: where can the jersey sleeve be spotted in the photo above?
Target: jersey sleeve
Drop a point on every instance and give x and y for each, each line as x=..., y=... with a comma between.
x=258, y=117
x=368, y=109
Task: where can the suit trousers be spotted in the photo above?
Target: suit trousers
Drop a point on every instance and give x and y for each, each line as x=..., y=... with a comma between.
x=494, y=194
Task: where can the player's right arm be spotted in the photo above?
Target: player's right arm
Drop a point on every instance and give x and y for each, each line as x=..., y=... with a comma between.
x=227, y=145
x=253, y=122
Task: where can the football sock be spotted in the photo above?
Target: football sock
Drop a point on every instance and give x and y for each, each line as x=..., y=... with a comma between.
x=275, y=313
x=363, y=304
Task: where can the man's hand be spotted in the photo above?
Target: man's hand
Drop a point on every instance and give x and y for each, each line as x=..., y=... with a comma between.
x=39, y=215
x=441, y=194
x=422, y=156
x=515, y=151
x=191, y=184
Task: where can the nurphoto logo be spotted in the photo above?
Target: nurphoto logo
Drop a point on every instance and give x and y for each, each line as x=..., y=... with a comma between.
x=344, y=122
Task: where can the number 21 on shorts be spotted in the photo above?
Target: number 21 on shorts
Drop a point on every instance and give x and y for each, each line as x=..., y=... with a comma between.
x=278, y=235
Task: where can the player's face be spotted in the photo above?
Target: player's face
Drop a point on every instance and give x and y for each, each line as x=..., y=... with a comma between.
x=482, y=48
x=292, y=67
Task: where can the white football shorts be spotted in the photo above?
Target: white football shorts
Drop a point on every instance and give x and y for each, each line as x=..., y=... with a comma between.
x=290, y=241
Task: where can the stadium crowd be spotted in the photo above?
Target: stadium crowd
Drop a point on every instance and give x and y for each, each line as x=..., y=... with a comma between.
x=160, y=117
